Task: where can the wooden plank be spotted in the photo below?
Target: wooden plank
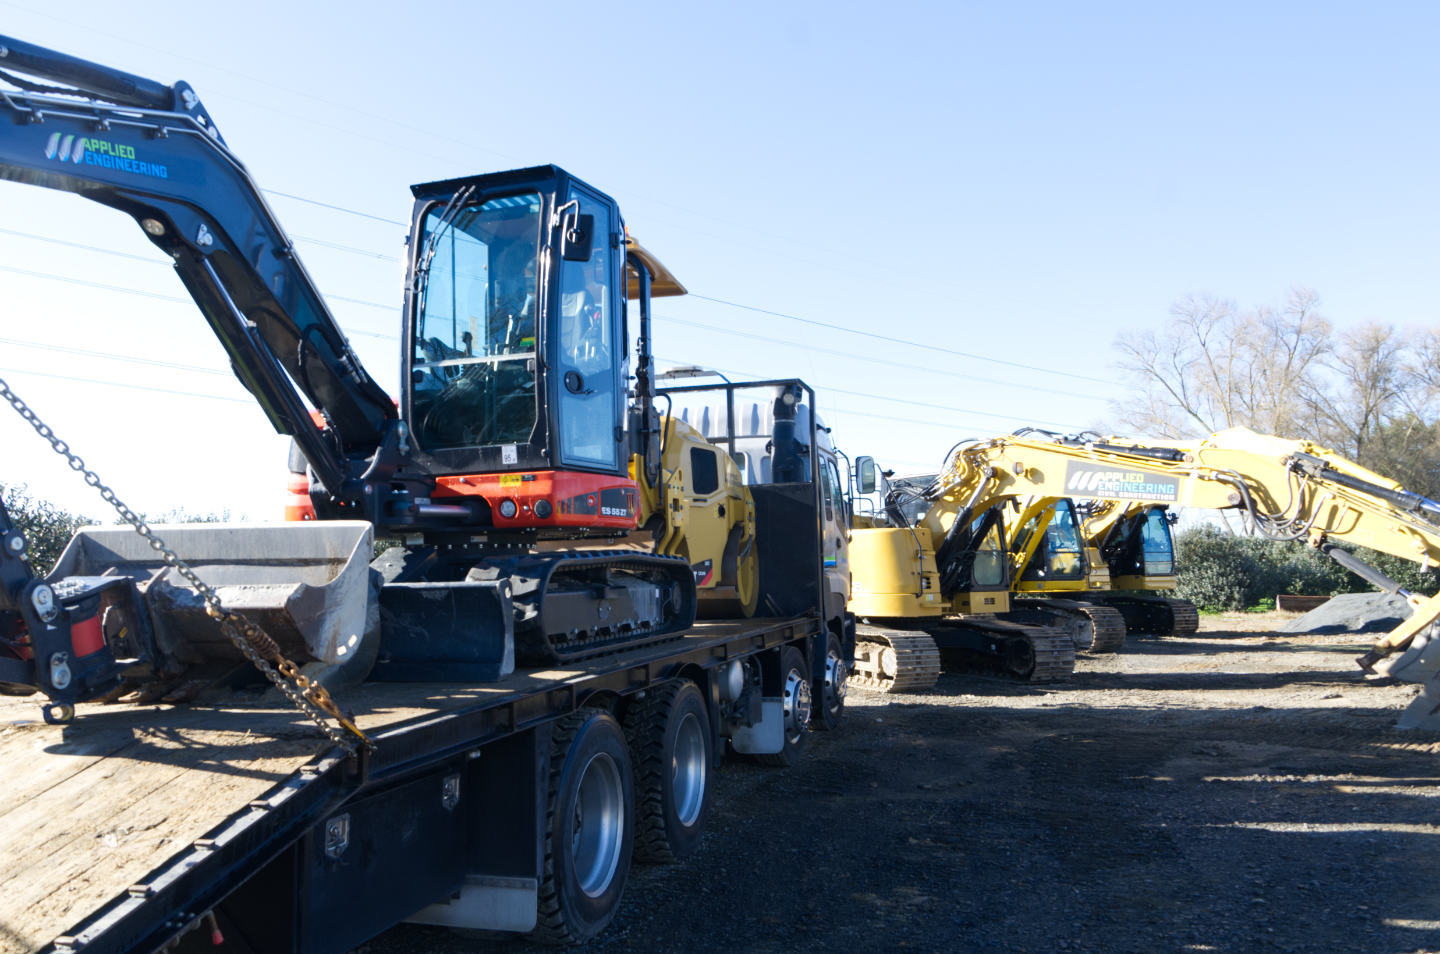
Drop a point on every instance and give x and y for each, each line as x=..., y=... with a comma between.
x=1292, y=603
x=94, y=806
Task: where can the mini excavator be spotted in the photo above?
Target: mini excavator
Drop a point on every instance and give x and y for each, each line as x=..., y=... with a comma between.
x=516, y=436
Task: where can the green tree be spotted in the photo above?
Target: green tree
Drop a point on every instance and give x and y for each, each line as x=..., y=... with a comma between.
x=47, y=528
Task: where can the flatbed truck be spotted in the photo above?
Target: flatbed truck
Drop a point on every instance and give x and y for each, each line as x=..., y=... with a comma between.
x=526, y=697
x=134, y=825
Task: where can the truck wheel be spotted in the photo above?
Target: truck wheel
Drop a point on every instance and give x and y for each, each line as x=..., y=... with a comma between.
x=670, y=739
x=832, y=693
x=795, y=705
x=588, y=832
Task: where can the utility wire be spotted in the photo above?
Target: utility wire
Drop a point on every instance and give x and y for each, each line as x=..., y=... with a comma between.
x=929, y=347
x=123, y=384
x=869, y=359
x=822, y=390
x=109, y=356
x=680, y=321
x=335, y=208
x=926, y=345
x=125, y=290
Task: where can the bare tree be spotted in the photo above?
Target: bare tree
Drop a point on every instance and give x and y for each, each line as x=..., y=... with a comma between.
x=1371, y=392
x=1368, y=383
x=1213, y=366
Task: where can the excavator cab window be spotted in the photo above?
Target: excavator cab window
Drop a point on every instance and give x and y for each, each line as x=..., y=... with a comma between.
x=989, y=566
x=473, y=371
x=1059, y=555
x=1157, y=544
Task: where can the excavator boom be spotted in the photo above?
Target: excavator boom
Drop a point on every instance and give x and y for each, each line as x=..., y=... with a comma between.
x=153, y=152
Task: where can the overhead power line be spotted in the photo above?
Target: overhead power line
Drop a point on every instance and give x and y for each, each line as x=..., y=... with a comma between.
x=336, y=208
x=926, y=345
x=126, y=384
x=929, y=347
x=870, y=359
x=125, y=290
x=823, y=390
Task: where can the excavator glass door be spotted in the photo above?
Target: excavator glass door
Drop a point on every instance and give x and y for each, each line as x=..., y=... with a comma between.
x=1059, y=555
x=591, y=339
x=989, y=566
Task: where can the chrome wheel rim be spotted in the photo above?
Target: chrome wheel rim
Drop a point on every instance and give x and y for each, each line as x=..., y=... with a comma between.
x=836, y=676
x=796, y=703
x=597, y=827
x=687, y=770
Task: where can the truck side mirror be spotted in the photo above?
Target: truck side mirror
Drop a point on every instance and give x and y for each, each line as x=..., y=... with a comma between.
x=577, y=238
x=866, y=475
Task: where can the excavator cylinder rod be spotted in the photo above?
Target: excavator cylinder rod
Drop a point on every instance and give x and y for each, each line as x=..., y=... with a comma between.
x=101, y=82
x=1363, y=570
x=1403, y=499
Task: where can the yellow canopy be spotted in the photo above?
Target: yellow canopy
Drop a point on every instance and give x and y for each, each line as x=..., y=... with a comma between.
x=662, y=283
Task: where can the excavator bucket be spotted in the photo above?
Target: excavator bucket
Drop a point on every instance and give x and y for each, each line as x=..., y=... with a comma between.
x=308, y=585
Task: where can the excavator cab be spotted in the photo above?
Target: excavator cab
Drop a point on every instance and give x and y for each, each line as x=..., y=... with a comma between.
x=516, y=369
x=1140, y=550
x=1058, y=555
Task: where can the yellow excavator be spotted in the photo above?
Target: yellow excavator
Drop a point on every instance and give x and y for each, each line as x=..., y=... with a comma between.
x=1099, y=566
x=1056, y=577
x=937, y=568
x=1137, y=551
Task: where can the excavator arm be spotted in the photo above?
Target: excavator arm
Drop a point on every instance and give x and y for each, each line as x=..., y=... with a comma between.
x=1285, y=489
x=152, y=152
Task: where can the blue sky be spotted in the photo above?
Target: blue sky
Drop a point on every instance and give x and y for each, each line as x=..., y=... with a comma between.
x=982, y=195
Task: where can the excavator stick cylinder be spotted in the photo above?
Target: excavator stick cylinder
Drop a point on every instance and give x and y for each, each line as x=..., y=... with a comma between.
x=102, y=82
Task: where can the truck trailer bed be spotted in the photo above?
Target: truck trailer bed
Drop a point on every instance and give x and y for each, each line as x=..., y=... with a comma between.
x=132, y=819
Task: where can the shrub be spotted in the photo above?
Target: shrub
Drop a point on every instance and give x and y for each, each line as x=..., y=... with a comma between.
x=47, y=528
x=1215, y=570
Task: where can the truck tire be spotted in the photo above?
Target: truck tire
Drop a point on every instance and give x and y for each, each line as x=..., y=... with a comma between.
x=795, y=705
x=831, y=694
x=672, y=747
x=589, y=834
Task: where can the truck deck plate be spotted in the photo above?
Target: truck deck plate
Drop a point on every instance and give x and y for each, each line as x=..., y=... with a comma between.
x=118, y=799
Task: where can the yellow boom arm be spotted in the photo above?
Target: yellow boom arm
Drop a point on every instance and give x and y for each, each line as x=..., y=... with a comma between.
x=1286, y=489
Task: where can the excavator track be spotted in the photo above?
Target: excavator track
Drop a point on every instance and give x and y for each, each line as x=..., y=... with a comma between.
x=1050, y=656
x=1034, y=653
x=573, y=606
x=1154, y=615
x=1185, y=618
x=1093, y=627
x=888, y=660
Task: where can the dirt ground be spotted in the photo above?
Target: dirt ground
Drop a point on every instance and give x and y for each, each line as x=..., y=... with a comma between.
x=1235, y=791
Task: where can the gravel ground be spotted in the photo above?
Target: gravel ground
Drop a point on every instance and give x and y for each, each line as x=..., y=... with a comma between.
x=1236, y=791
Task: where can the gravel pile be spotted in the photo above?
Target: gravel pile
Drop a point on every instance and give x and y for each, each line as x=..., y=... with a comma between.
x=1351, y=613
